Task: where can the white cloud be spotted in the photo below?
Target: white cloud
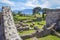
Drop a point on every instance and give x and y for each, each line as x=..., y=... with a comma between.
x=57, y=7
x=54, y=3
x=7, y=2
x=46, y=4
x=29, y=4
x=35, y=3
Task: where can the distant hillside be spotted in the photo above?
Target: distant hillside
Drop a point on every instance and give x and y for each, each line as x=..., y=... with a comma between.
x=0, y=9
x=25, y=11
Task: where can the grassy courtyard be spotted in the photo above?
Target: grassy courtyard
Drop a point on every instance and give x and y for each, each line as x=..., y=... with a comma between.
x=39, y=24
x=26, y=32
x=49, y=37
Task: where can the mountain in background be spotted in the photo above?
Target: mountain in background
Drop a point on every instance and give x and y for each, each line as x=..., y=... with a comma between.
x=0, y=9
x=25, y=11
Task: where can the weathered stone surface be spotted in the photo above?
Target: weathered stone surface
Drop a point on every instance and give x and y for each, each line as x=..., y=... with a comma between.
x=27, y=36
x=7, y=28
x=22, y=24
x=23, y=28
x=53, y=16
x=36, y=28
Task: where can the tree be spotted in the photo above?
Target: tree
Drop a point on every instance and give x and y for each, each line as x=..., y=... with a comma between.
x=20, y=13
x=14, y=14
x=44, y=11
x=36, y=10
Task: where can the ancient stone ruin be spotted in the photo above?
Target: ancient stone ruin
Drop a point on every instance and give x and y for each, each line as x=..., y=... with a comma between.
x=52, y=24
x=8, y=30
x=53, y=16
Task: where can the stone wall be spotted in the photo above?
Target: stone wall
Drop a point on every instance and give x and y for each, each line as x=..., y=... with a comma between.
x=53, y=16
x=7, y=25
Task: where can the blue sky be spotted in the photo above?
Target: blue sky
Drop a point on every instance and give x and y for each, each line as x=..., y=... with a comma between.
x=30, y=4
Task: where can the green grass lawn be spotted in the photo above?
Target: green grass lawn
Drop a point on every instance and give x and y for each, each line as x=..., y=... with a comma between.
x=43, y=22
x=36, y=24
x=23, y=17
x=26, y=32
x=49, y=37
